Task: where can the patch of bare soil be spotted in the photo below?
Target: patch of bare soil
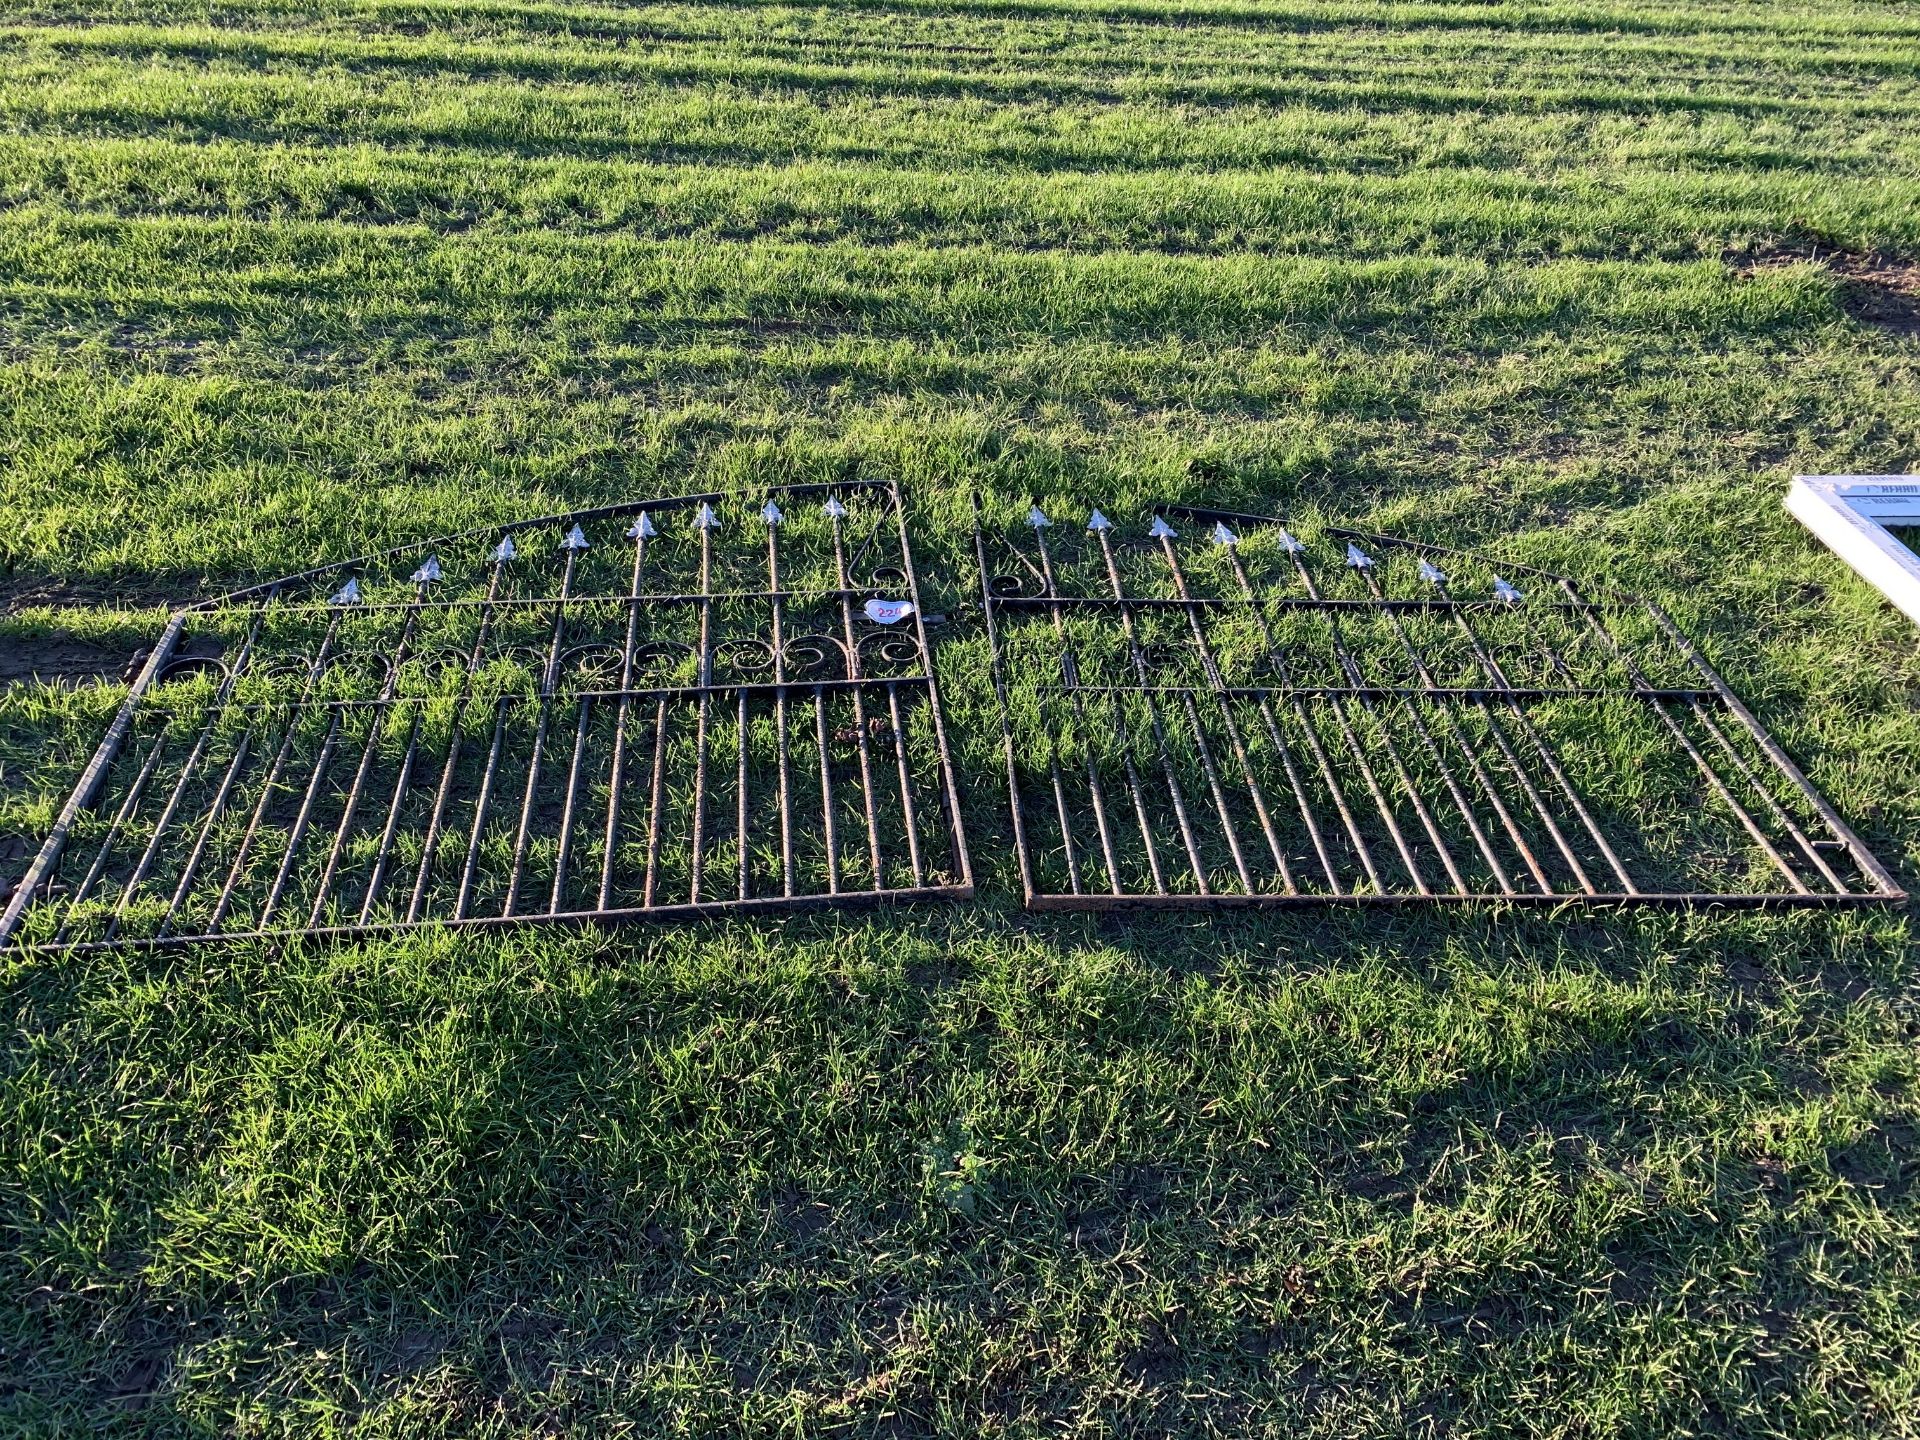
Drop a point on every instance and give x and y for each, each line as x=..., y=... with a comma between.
x=26, y=592
x=59, y=657
x=1875, y=289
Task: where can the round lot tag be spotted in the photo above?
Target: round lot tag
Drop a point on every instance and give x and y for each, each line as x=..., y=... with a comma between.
x=888, y=612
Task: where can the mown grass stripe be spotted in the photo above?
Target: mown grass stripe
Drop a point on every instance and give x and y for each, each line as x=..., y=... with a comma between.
x=997, y=41
x=618, y=282
x=1489, y=214
x=725, y=124
x=1706, y=22
x=528, y=61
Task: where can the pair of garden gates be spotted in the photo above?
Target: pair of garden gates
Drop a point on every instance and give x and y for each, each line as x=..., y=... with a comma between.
x=716, y=704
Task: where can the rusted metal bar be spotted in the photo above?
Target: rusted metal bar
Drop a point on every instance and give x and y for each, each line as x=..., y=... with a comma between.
x=861, y=743
x=422, y=578
x=1070, y=678
x=641, y=531
x=570, y=549
x=88, y=787
x=1217, y=684
x=1138, y=657
x=416, y=903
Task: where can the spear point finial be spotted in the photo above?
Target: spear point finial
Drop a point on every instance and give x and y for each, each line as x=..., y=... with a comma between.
x=1161, y=530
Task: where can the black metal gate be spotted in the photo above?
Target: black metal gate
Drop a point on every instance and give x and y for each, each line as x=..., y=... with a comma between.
x=670, y=708
x=1200, y=709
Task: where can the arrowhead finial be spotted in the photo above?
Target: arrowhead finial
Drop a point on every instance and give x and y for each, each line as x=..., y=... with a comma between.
x=1161, y=530
x=642, y=529
x=347, y=594
x=834, y=509
x=1505, y=593
x=771, y=514
x=427, y=572
x=1097, y=522
x=1037, y=518
x=504, y=551
x=1223, y=536
x=576, y=539
x=1432, y=573
x=1358, y=558
x=1288, y=543
x=706, y=519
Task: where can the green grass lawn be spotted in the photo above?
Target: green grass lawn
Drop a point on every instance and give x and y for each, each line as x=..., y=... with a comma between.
x=1581, y=283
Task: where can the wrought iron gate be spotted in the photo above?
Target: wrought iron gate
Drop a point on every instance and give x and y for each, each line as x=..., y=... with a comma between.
x=671, y=708
x=1200, y=709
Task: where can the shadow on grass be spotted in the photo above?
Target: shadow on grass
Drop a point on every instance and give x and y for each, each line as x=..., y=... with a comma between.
x=646, y=1171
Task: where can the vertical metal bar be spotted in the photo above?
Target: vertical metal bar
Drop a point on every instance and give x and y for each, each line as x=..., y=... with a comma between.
x=575, y=542
x=1339, y=711
x=704, y=523
x=241, y=750
x=1786, y=822
x=128, y=804
x=371, y=748
x=1685, y=741
x=740, y=791
x=416, y=903
x=274, y=770
x=396, y=805
x=1022, y=853
x=950, y=784
x=482, y=804
x=90, y=780
x=1211, y=666
x=1153, y=713
x=214, y=811
x=780, y=709
x=826, y=791
x=1460, y=803
x=656, y=793
x=172, y=806
x=641, y=532
x=303, y=818
x=859, y=707
x=1863, y=857
x=563, y=849
x=1286, y=751
x=1066, y=826
x=1491, y=665
x=1070, y=679
x=384, y=851
x=906, y=785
